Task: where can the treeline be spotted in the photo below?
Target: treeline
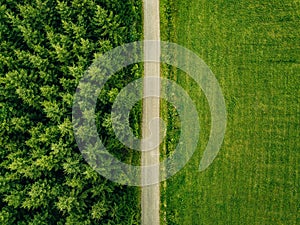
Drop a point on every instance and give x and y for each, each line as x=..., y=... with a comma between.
x=45, y=47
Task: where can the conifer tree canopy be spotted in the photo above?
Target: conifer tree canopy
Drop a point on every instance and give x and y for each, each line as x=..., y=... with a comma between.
x=45, y=47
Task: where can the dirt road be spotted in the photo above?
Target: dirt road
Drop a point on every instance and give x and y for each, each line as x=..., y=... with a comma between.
x=150, y=199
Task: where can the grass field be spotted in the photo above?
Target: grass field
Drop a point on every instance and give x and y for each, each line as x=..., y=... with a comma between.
x=253, y=48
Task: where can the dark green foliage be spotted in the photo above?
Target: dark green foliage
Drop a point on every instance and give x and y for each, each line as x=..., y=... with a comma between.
x=45, y=46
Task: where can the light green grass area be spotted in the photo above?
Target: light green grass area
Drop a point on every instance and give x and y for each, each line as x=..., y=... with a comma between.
x=253, y=48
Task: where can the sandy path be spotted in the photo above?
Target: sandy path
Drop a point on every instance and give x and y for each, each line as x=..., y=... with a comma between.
x=150, y=199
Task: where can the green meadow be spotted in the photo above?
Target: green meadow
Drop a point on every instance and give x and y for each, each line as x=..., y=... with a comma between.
x=253, y=49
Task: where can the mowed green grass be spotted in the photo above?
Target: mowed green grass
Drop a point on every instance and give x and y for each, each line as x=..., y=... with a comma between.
x=253, y=48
